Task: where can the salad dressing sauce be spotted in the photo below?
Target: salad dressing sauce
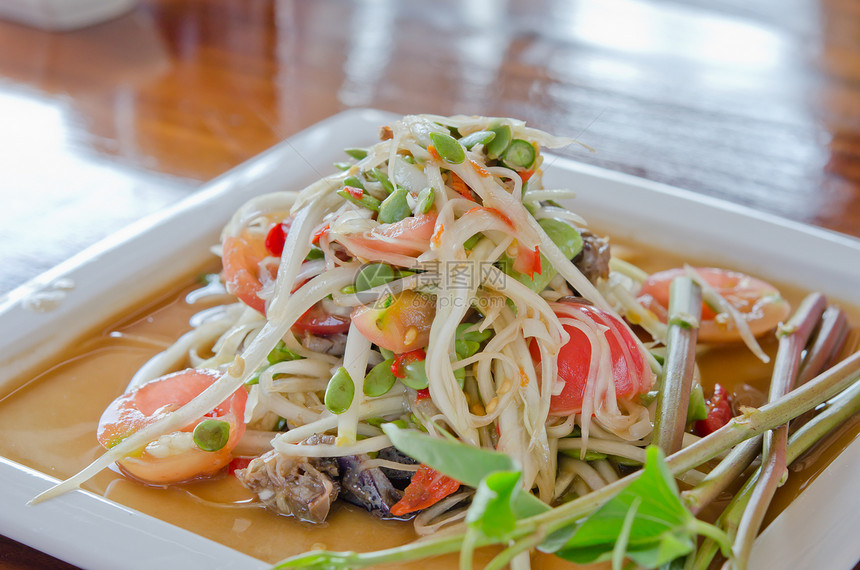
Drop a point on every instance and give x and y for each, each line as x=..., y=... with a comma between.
x=70, y=396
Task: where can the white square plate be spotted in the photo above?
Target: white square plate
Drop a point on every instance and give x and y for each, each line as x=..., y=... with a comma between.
x=87, y=530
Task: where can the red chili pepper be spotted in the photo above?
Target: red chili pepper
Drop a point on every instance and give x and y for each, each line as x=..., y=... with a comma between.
x=427, y=488
x=423, y=394
x=536, y=268
x=402, y=360
x=320, y=233
x=356, y=193
x=719, y=413
x=238, y=463
x=275, y=239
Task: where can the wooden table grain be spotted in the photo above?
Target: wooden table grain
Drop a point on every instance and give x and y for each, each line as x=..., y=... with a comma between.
x=757, y=103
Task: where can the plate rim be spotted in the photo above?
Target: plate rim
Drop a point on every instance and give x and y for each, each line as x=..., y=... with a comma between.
x=79, y=503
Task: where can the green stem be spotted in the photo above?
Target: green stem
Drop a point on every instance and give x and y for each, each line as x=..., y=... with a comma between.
x=739, y=429
x=467, y=551
x=723, y=475
x=523, y=545
x=711, y=532
x=673, y=398
x=839, y=410
x=825, y=346
x=793, y=338
x=772, y=471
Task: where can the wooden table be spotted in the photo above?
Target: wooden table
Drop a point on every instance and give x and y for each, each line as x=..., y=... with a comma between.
x=756, y=103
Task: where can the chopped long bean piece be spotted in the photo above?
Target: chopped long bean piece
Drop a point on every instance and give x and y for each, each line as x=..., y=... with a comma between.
x=520, y=154
x=480, y=137
x=500, y=142
x=340, y=392
x=395, y=207
x=448, y=148
x=359, y=198
x=425, y=201
x=383, y=179
x=356, y=153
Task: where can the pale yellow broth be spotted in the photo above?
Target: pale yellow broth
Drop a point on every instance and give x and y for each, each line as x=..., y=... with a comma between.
x=49, y=424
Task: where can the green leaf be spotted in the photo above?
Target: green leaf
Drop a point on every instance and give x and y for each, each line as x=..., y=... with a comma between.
x=662, y=528
x=668, y=548
x=468, y=465
x=491, y=512
x=558, y=538
x=281, y=353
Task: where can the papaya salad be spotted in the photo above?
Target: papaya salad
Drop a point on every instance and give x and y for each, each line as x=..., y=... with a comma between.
x=433, y=335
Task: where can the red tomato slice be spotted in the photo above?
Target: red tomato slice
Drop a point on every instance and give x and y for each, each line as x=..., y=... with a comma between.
x=629, y=369
x=758, y=302
x=317, y=321
x=241, y=258
x=401, y=327
x=427, y=488
x=150, y=402
x=410, y=236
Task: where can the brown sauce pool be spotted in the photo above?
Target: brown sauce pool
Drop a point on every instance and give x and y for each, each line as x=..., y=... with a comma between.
x=49, y=424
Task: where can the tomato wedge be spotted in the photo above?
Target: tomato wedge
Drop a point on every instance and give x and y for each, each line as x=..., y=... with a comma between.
x=319, y=322
x=410, y=236
x=402, y=326
x=174, y=457
x=630, y=372
x=241, y=258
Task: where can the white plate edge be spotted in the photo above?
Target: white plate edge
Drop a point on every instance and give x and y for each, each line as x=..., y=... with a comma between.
x=369, y=117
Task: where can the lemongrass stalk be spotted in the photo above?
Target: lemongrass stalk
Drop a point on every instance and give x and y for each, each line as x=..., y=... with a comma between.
x=793, y=337
x=750, y=424
x=676, y=382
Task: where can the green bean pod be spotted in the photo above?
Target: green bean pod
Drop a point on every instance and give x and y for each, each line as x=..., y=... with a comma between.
x=340, y=392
